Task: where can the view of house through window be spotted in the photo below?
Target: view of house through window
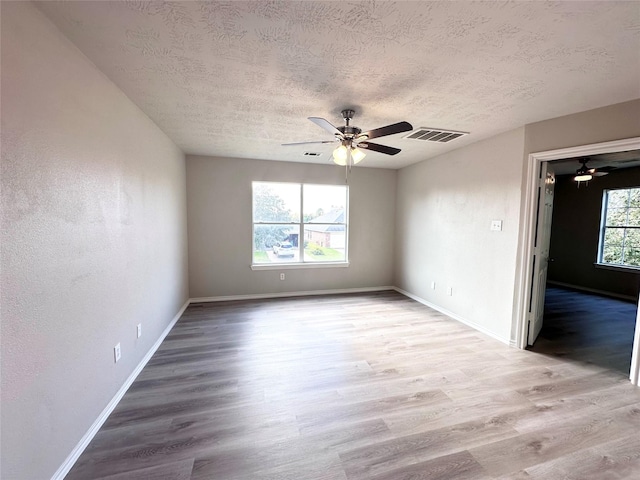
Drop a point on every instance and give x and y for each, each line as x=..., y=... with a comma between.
x=620, y=228
x=299, y=223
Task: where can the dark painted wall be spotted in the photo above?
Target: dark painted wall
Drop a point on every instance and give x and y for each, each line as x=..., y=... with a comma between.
x=575, y=230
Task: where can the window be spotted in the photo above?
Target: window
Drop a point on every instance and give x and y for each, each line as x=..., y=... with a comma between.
x=620, y=228
x=297, y=223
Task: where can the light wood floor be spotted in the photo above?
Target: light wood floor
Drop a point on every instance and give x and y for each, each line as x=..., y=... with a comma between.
x=353, y=387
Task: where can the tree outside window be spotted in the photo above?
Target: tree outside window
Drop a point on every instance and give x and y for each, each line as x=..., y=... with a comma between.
x=299, y=223
x=620, y=228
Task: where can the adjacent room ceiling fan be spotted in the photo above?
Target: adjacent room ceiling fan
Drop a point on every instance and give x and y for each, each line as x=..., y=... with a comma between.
x=353, y=140
x=584, y=173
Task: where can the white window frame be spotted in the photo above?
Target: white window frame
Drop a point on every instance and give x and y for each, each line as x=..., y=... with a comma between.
x=603, y=228
x=300, y=225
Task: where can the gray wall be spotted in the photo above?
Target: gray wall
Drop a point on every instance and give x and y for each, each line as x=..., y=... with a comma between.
x=445, y=208
x=219, y=219
x=93, y=241
x=613, y=122
x=445, y=205
x=575, y=232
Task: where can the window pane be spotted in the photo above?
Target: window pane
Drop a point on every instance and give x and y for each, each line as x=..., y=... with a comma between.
x=632, y=238
x=276, y=202
x=613, y=236
x=325, y=203
x=617, y=198
x=621, y=245
x=279, y=229
x=612, y=254
x=616, y=217
x=634, y=217
x=275, y=243
x=632, y=257
x=324, y=243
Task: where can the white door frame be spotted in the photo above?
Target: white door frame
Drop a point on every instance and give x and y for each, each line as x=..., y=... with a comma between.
x=527, y=229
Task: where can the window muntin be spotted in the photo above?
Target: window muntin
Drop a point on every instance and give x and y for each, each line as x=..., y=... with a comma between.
x=620, y=228
x=319, y=235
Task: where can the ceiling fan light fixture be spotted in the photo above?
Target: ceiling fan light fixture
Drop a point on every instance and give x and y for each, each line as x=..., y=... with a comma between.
x=584, y=174
x=340, y=155
x=357, y=155
x=583, y=177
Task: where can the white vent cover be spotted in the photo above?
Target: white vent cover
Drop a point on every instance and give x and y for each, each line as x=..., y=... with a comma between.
x=435, y=134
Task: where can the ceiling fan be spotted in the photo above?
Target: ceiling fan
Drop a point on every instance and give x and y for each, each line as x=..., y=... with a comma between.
x=584, y=173
x=353, y=140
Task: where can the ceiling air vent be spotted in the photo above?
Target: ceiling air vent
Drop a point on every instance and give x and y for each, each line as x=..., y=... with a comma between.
x=312, y=154
x=435, y=134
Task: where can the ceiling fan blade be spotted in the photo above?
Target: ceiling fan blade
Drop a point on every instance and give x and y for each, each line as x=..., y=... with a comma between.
x=376, y=147
x=306, y=143
x=598, y=173
x=388, y=130
x=322, y=123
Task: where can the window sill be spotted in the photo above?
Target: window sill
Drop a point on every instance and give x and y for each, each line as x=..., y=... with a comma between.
x=617, y=268
x=295, y=266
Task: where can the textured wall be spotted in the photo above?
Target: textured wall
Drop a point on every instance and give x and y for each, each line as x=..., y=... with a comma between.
x=93, y=241
x=444, y=212
x=219, y=206
x=575, y=232
x=614, y=122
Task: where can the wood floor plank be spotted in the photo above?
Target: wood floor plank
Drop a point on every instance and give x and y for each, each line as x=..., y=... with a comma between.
x=548, y=443
x=360, y=387
x=458, y=466
x=619, y=459
x=385, y=457
x=491, y=406
x=180, y=470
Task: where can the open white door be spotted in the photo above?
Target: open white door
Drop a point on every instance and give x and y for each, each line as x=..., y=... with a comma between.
x=541, y=250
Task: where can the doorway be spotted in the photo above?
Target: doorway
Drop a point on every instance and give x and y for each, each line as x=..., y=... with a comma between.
x=528, y=294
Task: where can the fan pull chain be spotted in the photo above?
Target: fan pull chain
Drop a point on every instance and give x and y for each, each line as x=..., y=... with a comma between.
x=348, y=164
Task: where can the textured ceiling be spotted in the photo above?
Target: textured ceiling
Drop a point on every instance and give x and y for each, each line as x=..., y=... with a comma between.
x=239, y=78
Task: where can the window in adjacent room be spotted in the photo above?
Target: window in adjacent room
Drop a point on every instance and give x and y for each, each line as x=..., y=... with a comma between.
x=296, y=223
x=620, y=228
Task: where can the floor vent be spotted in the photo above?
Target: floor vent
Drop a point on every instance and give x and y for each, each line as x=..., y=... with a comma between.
x=435, y=134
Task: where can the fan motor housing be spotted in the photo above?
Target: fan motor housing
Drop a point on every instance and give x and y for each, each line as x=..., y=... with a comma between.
x=350, y=131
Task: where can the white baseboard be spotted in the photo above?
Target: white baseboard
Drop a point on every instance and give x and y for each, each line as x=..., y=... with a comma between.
x=469, y=323
x=593, y=290
x=86, y=439
x=258, y=296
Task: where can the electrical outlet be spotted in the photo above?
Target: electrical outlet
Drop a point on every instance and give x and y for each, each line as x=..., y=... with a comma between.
x=116, y=353
x=282, y=276
x=450, y=291
x=139, y=330
x=433, y=285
